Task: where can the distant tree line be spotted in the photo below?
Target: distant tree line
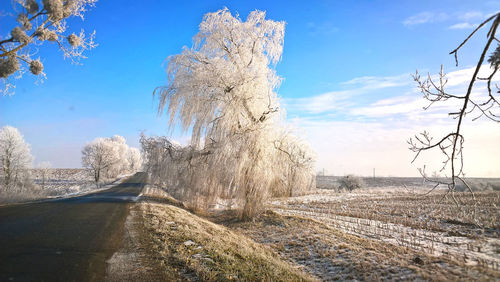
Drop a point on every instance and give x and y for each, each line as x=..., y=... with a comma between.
x=106, y=158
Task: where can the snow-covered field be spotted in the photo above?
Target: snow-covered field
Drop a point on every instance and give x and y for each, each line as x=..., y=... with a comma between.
x=403, y=217
x=55, y=183
x=63, y=182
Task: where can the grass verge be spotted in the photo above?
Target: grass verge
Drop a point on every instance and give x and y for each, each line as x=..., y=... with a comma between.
x=192, y=248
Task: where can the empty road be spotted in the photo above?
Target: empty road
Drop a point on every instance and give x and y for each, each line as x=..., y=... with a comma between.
x=65, y=239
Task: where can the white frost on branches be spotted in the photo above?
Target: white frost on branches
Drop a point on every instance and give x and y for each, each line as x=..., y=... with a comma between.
x=15, y=157
x=107, y=158
x=37, y=22
x=223, y=91
x=134, y=159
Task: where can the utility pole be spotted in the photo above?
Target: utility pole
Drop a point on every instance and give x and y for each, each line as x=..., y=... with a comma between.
x=374, y=173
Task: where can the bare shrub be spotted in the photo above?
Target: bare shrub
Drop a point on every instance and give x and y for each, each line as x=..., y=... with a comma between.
x=351, y=182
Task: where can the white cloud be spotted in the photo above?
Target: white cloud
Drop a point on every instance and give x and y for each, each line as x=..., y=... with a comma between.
x=391, y=101
x=464, y=25
x=330, y=101
x=462, y=77
x=400, y=92
x=390, y=107
x=411, y=105
x=350, y=147
x=374, y=135
x=345, y=99
x=374, y=82
x=467, y=20
x=425, y=17
x=472, y=15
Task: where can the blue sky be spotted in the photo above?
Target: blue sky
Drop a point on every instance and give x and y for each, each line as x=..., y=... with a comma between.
x=346, y=67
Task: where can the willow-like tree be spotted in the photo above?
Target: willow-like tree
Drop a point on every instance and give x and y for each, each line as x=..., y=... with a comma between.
x=38, y=22
x=223, y=91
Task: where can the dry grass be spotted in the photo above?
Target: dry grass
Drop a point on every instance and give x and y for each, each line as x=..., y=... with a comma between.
x=189, y=247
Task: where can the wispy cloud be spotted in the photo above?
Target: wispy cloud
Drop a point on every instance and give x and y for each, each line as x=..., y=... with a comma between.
x=425, y=17
x=373, y=135
x=399, y=93
x=468, y=20
x=351, y=147
x=377, y=82
x=463, y=26
x=410, y=106
x=464, y=20
x=326, y=102
x=343, y=100
x=472, y=15
x=390, y=107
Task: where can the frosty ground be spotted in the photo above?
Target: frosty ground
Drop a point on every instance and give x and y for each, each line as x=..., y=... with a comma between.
x=428, y=235
x=369, y=234
x=56, y=183
x=390, y=230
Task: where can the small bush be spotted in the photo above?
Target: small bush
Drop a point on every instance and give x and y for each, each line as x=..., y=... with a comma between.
x=351, y=182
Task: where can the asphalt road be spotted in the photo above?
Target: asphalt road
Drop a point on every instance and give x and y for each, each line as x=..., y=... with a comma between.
x=66, y=239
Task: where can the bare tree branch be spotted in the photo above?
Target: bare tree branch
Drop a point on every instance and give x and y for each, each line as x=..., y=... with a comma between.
x=451, y=145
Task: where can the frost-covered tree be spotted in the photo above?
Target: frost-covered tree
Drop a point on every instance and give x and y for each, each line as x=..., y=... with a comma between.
x=296, y=161
x=15, y=156
x=99, y=156
x=122, y=164
x=109, y=157
x=37, y=22
x=129, y=158
x=134, y=159
x=223, y=91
